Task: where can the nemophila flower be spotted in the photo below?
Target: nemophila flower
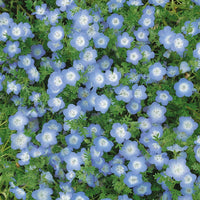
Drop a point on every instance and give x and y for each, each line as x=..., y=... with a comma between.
x=157, y=71
x=25, y=61
x=17, y=121
x=117, y=160
x=27, y=31
x=43, y=193
x=172, y=71
x=144, y=123
x=99, y=163
x=64, y=4
x=82, y=19
x=70, y=176
x=159, y=2
x=12, y=48
x=13, y=87
x=97, y=79
x=124, y=40
x=72, y=112
x=19, y=141
x=179, y=43
x=118, y=169
x=154, y=147
x=187, y=125
x=5, y=19
x=141, y=34
x=24, y=157
x=94, y=129
x=88, y=56
x=166, y=37
x=74, y=140
x=129, y=149
x=115, y=21
x=56, y=63
x=103, y=144
x=197, y=152
x=47, y=138
x=114, y=5
x=85, y=105
x=79, y=65
x=112, y=78
x=73, y=161
x=33, y=74
x=133, y=107
x=135, y=3
x=123, y=93
x=177, y=168
x=53, y=16
x=155, y=131
x=184, y=67
x=56, y=104
x=149, y=10
x=156, y=113
x=142, y=189
x=119, y=132
x=133, y=76
x=35, y=97
x=79, y=41
x=92, y=31
x=95, y=153
x=137, y=165
x=56, y=81
x=190, y=28
x=37, y=51
x=139, y=92
x=64, y=196
x=40, y=11
x=183, y=88
x=101, y=41
x=159, y=160
x=56, y=33
x=196, y=52
x=79, y=196
x=124, y=197
x=102, y=103
x=105, y=63
x=133, y=56
x=19, y=192
x=147, y=53
x=105, y=169
x=54, y=46
x=16, y=31
x=163, y=97
x=147, y=21
x=188, y=180
x=3, y=33
x=70, y=76
x=131, y=179
x=37, y=151
x=66, y=187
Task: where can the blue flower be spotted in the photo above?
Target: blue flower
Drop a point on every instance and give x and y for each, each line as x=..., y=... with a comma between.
x=135, y=3
x=187, y=125
x=74, y=140
x=13, y=87
x=143, y=189
x=70, y=76
x=129, y=149
x=19, y=141
x=63, y=4
x=101, y=41
x=103, y=144
x=5, y=19
x=73, y=161
x=184, y=67
x=196, y=52
x=79, y=41
x=158, y=2
x=12, y=48
x=92, y=31
x=115, y=21
x=124, y=40
x=179, y=43
x=157, y=71
x=119, y=169
x=37, y=51
x=47, y=138
x=172, y=71
x=112, y=78
x=119, y=132
x=137, y=165
x=16, y=31
x=56, y=104
x=42, y=193
x=149, y=10
x=55, y=46
x=97, y=79
x=56, y=33
x=3, y=33
x=197, y=152
x=147, y=53
x=79, y=195
x=24, y=157
x=33, y=74
x=124, y=93
x=17, y=121
x=183, y=88
x=102, y=103
x=63, y=195
x=163, y=97
x=19, y=193
x=133, y=56
x=139, y=92
x=156, y=113
x=40, y=11
x=188, y=180
x=95, y=153
x=72, y=112
x=141, y=34
x=133, y=107
x=146, y=21
x=25, y=61
x=53, y=16
x=88, y=56
x=105, y=63
x=131, y=179
x=190, y=28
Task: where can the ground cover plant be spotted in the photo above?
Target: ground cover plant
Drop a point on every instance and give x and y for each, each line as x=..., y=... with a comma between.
x=99, y=99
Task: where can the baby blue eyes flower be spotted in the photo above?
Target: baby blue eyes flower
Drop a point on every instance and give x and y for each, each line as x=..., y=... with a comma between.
x=40, y=11
x=26, y=61
x=12, y=48
x=42, y=193
x=141, y=34
x=159, y=2
x=143, y=189
x=156, y=72
x=102, y=103
x=131, y=179
x=56, y=104
x=37, y=51
x=123, y=93
x=72, y=112
x=101, y=41
x=70, y=76
x=124, y=40
x=88, y=56
x=103, y=144
x=56, y=34
x=183, y=88
x=133, y=56
x=115, y=21
x=196, y=52
x=146, y=21
x=163, y=97
x=19, y=141
x=79, y=41
x=19, y=193
x=13, y=87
